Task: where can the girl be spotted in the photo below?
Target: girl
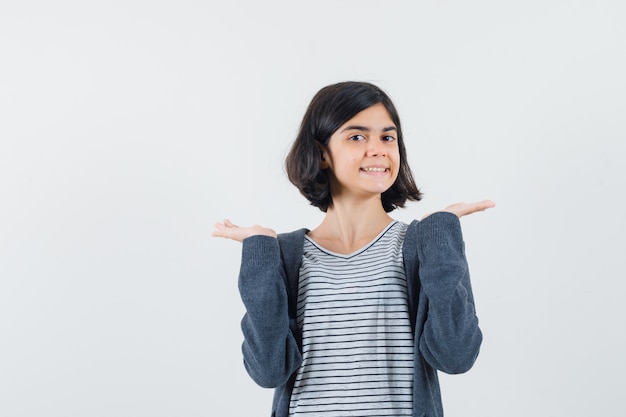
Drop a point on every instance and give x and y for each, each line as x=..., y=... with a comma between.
x=355, y=317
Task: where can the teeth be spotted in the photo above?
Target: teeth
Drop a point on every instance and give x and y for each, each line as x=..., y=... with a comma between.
x=375, y=169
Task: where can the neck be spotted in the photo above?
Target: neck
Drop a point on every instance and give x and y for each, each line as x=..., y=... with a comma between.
x=348, y=225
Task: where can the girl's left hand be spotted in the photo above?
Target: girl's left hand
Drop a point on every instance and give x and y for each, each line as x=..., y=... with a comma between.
x=463, y=209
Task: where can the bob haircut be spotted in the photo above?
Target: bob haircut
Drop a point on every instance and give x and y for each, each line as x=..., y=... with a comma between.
x=329, y=109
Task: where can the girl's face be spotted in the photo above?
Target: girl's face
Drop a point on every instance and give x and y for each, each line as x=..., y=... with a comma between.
x=362, y=155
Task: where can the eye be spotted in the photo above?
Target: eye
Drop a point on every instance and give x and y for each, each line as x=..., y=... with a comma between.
x=356, y=138
x=388, y=138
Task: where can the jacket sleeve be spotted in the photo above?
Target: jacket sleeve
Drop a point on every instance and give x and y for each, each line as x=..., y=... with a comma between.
x=270, y=350
x=451, y=339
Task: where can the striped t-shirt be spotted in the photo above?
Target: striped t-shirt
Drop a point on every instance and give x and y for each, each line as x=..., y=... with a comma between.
x=357, y=343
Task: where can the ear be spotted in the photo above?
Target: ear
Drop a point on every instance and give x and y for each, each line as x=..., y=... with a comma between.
x=324, y=157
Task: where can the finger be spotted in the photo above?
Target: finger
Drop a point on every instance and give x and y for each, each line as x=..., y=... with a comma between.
x=484, y=205
x=221, y=226
x=479, y=206
x=488, y=203
x=225, y=232
x=221, y=229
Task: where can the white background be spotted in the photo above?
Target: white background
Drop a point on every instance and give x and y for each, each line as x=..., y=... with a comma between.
x=127, y=128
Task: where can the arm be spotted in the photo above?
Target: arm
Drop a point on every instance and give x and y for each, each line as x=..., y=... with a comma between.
x=451, y=337
x=270, y=350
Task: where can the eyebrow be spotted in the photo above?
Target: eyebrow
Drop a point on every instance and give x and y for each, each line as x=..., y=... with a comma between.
x=367, y=129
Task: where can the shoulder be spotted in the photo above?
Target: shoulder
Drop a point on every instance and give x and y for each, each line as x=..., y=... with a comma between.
x=292, y=238
x=410, y=235
x=410, y=240
x=291, y=248
x=291, y=244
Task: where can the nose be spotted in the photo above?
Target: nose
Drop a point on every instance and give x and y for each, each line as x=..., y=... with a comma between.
x=376, y=148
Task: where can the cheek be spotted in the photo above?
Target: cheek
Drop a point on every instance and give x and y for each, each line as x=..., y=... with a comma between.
x=349, y=161
x=398, y=167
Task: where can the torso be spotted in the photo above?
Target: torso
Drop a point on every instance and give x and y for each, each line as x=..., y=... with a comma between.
x=357, y=343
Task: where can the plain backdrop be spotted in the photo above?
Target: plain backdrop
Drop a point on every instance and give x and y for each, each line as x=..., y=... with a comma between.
x=127, y=128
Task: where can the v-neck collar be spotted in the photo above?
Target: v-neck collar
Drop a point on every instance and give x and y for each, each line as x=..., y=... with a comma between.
x=356, y=252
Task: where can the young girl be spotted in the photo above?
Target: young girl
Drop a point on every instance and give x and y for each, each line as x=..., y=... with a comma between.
x=355, y=317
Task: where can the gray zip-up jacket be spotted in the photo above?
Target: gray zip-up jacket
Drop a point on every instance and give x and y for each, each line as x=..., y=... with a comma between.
x=441, y=307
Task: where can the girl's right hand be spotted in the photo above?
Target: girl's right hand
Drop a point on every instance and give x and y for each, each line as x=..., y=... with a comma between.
x=231, y=231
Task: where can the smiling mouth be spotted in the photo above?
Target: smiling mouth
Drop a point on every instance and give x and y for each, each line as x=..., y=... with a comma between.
x=374, y=169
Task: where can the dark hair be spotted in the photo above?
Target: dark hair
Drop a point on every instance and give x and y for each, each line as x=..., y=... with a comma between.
x=329, y=109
